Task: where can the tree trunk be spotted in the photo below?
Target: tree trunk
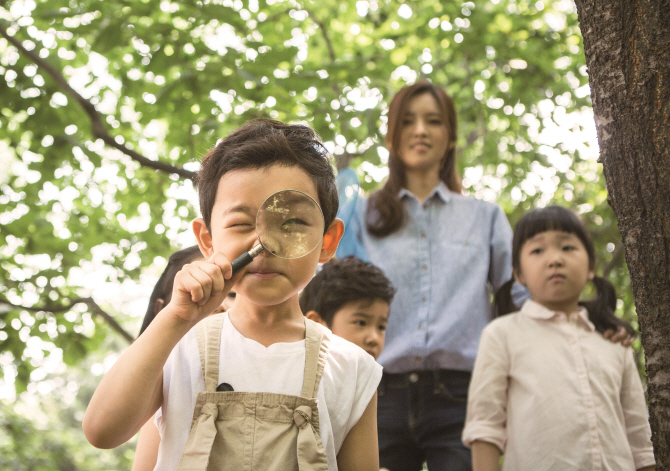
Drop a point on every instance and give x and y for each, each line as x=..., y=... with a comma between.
x=627, y=46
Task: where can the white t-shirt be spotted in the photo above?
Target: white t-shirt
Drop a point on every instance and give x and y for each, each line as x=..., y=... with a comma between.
x=350, y=379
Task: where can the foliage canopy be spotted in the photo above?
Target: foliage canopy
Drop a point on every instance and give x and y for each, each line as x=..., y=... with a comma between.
x=107, y=106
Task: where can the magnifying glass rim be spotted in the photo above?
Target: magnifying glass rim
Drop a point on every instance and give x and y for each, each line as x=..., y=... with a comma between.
x=263, y=205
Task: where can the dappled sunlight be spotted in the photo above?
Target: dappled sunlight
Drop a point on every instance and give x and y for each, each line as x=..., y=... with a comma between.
x=98, y=186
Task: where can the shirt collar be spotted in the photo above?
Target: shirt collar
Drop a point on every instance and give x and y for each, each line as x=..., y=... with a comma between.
x=440, y=190
x=537, y=311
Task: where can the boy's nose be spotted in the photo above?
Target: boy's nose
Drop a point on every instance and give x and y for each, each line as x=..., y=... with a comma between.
x=252, y=241
x=372, y=338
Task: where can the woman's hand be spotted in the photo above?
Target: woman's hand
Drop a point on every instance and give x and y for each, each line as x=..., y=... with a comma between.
x=620, y=335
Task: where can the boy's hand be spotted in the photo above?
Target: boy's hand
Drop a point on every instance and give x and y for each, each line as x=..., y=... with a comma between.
x=200, y=287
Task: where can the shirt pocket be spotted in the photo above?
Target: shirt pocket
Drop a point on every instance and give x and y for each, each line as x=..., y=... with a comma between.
x=462, y=255
x=467, y=230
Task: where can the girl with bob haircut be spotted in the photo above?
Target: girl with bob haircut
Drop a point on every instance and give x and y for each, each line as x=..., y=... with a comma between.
x=548, y=391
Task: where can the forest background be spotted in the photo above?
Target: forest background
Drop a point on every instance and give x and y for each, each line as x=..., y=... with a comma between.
x=106, y=108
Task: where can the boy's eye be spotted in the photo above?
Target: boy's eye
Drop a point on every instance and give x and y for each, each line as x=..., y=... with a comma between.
x=536, y=251
x=567, y=248
x=382, y=328
x=239, y=224
x=292, y=224
x=360, y=323
x=437, y=122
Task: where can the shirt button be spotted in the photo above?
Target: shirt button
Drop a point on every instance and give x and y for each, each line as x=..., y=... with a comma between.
x=413, y=377
x=420, y=326
x=425, y=267
x=424, y=299
x=423, y=235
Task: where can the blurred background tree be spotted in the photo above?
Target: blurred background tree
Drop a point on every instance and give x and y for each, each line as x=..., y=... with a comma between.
x=106, y=108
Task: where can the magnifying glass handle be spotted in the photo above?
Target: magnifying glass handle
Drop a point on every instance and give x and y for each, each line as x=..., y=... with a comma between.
x=246, y=258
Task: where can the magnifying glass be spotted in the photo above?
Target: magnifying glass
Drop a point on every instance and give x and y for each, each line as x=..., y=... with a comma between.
x=289, y=224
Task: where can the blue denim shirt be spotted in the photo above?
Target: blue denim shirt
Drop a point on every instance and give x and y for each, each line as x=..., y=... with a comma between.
x=444, y=261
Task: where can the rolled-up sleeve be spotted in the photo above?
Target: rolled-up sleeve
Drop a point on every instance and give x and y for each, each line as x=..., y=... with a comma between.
x=635, y=415
x=487, y=397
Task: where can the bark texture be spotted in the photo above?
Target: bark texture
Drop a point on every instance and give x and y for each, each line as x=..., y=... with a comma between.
x=627, y=46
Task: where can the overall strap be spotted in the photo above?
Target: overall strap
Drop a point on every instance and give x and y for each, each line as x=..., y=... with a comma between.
x=310, y=451
x=198, y=448
x=208, y=333
x=316, y=352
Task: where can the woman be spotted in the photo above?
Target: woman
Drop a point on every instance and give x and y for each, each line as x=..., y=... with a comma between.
x=442, y=250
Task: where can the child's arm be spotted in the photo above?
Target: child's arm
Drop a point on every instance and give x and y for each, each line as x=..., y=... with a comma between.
x=486, y=415
x=485, y=456
x=131, y=392
x=360, y=450
x=635, y=415
x=146, y=453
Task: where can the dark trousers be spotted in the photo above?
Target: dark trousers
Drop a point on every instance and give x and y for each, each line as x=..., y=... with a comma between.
x=420, y=417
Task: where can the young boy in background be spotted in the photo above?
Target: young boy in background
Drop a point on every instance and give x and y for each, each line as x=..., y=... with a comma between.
x=352, y=298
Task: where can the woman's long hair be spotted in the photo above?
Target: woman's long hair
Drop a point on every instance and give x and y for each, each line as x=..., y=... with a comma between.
x=385, y=212
x=556, y=218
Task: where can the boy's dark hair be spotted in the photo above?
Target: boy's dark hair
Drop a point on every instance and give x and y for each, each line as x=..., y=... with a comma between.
x=163, y=288
x=556, y=218
x=263, y=142
x=342, y=281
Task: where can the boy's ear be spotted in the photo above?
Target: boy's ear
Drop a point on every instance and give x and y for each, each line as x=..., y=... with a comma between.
x=316, y=317
x=203, y=236
x=331, y=239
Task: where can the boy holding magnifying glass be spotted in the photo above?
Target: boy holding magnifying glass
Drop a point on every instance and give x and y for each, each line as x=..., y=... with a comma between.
x=259, y=387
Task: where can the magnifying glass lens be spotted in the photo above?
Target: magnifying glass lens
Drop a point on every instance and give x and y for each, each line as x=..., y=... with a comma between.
x=289, y=224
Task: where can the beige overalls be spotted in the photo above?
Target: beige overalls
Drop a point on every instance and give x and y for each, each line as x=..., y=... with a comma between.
x=244, y=431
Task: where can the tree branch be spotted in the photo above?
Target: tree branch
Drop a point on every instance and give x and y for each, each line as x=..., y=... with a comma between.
x=92, y=305
x=616, y=257
x=324, y=33
x=98, y=128
x=343, y=160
